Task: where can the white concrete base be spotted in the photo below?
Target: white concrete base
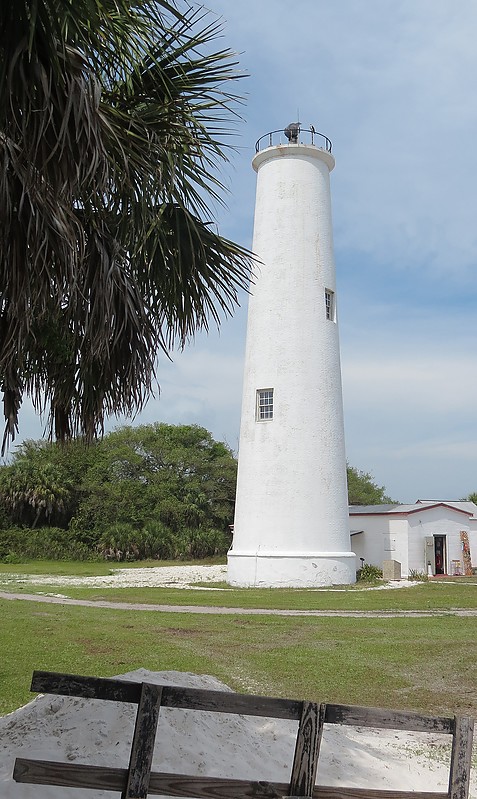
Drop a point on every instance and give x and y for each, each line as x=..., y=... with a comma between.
x=290, y=570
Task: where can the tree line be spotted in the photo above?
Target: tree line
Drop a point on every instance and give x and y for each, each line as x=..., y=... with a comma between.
x=153, y=491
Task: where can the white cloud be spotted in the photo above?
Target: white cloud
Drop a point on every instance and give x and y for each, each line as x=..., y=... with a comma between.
x=393, y=85
x=203, y=387
x=433, y=387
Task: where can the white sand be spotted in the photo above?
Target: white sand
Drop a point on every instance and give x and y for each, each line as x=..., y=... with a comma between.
x=93, y=731
x=154, y=577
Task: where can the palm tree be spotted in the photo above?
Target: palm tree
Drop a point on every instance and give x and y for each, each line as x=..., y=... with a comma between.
x=34, y=493
x=113, y=115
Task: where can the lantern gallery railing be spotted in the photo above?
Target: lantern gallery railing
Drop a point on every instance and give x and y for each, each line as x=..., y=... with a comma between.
x=294, y=134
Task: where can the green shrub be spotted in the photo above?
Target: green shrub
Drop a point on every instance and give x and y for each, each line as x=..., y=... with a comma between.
x=119, y=543
x=8, y=543
x=50, y=543
x=123, y=542
x=203, y=543
x=12, y=557
x=369, y=573
x=418, y=576
x=158, y=542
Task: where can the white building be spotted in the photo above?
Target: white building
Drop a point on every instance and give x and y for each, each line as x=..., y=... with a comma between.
x=427, y=537
x=291, y=517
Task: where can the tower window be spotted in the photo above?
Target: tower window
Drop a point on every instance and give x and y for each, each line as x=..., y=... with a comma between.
x=264, y=409
x=330, y=304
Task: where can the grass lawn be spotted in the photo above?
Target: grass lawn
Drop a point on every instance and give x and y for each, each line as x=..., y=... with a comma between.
x=427, y=665
x=436, y=594
x=423, y=664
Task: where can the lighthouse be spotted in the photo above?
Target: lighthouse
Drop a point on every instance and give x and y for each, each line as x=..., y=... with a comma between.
x=291, y=518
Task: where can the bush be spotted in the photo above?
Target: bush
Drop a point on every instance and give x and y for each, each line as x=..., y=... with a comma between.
x=8, y=544
x=369, y=573
x=418, y=576
x=203, y=543
x=121, y=542
x=158, y=541
x=42, y=543
x=154, y=541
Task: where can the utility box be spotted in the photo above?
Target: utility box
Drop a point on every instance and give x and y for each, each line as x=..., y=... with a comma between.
x=391, y=570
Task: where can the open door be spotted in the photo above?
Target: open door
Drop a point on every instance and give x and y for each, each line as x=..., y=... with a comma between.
x=440, y=555
x=436, y=554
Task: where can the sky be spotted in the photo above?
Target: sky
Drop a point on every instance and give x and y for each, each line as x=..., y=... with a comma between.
x=394, y=86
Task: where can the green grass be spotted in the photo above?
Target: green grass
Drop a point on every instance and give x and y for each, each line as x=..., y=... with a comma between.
x=428, y=665
x=434, y=595
x=423, y=664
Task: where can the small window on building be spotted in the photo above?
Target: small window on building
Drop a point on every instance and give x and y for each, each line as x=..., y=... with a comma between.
x=330, y=304
x=264, y=404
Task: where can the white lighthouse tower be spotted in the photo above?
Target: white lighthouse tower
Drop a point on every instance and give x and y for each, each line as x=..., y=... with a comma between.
x=291, y=518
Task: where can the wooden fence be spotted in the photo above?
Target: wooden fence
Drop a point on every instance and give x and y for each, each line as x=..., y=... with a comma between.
x=138, y=781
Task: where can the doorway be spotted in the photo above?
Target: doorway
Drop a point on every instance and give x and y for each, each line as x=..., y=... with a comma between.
x=440, y=554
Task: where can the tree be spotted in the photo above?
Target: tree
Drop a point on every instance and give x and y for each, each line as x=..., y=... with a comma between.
x=471, y=497
x=43, y=483
x=176, y=475
x=35, y=495
x=113, y=115
x=362, y=490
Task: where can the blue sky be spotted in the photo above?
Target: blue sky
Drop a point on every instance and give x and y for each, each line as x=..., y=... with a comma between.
x=394, y=87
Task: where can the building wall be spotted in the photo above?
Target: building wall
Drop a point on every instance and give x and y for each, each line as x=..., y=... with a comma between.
x=383, y=538
x=436, y=522
x=403, y=538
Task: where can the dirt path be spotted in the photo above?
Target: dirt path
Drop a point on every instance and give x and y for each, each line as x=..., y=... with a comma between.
x=375, y=614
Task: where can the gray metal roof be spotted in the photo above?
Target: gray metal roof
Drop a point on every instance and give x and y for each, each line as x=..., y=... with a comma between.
x=369, y=510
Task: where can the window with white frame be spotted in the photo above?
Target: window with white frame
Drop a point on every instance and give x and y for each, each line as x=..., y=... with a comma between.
x=330, y=304
x=264, y=410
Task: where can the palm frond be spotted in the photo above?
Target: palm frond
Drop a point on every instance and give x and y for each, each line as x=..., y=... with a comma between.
x=114, y=120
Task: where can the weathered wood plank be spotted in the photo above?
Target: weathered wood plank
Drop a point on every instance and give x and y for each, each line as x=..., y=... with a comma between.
x=69, y=775
x=172, y=696
x=229, y=702
x=181, y=785
x=461, y=758
x=50, y=682
x=381, y=718
x=142, y=749
x=307, y=747
x=74, y=775
x=323, y=792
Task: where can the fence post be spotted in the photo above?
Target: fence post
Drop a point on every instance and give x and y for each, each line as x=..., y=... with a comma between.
x=142, y=750
x=307, y=748
x=461, y=757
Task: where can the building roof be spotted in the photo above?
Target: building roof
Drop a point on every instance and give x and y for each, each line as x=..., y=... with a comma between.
x=468, y=508
x=372, y=509
x=463, y=504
